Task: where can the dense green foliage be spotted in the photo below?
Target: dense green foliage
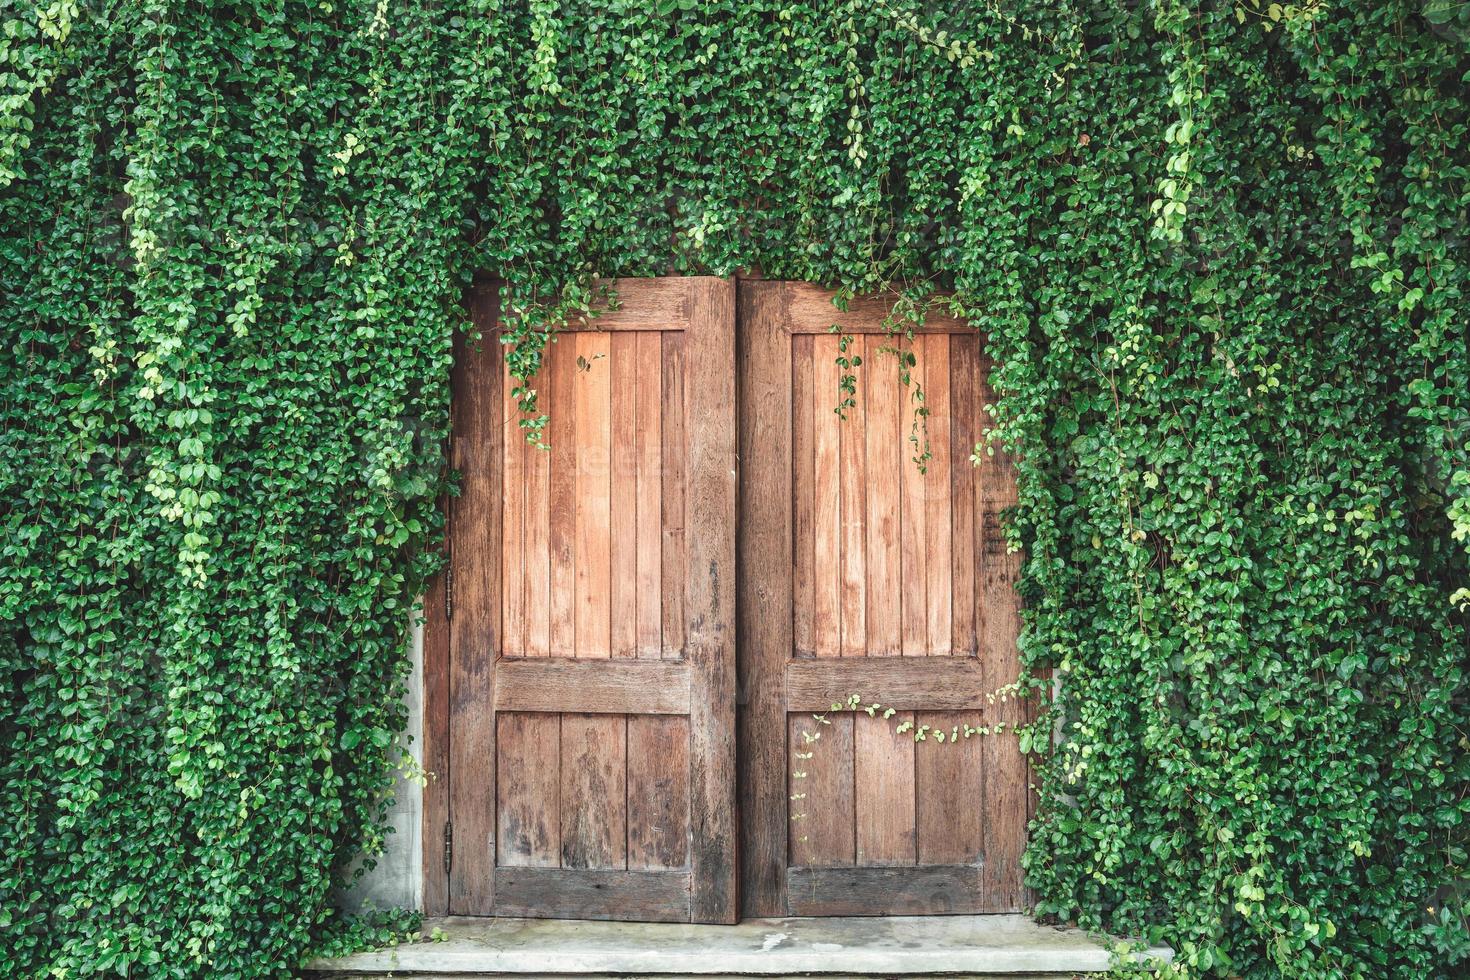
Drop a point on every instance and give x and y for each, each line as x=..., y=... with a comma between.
x=1220, y=255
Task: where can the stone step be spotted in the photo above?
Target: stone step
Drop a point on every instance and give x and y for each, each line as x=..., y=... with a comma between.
x=1013, y=946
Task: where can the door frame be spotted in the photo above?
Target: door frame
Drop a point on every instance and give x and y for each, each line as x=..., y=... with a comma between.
x=744, y=782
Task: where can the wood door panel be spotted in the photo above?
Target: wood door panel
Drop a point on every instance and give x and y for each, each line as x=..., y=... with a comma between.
x=594, y=791
x=658, y=793
x=950, y=801
x=822, y=829
x=555, y=893
x=590, y=650
x=528, y=793
x=899, y=590
x=917, y=890
x=885, y=791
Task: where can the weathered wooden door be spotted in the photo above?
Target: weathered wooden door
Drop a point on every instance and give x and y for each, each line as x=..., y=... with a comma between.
x=860, y=574
x=580, y=657
x=591, y=659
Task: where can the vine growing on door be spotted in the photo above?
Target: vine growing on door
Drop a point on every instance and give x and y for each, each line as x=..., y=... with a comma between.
x=803, y=751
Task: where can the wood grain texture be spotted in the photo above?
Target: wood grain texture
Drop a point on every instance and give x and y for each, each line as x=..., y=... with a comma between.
x=675, y=452
x=913, y=518
x=1006, y=776
x=764, y=597
x=475, y=563
x=562, y=494
x=949, y=792
x=513, y=503
x=931, y=890
x=644, y=304
x=648, y=519
x=811, y=311
x=593, y=687
x=637, y=896
x=950, y=683
x=710, y=487
x=591, y=411
x=528, y=773
x=594, y=794
x=937, y=526
x=536, y=564
x=822, y=825
x=883, y=790
x=852, y=482
x=658, y=793
x=803, y=475
x=1005, y=780
x=623, y=494
x=826, y=501
x=965, y=409
x=883, y=395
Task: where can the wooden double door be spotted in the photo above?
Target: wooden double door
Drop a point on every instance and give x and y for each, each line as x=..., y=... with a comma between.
x=632, y=660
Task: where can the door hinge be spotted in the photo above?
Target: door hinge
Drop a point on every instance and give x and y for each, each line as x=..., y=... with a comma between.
x=448, y=845
x=449, y=592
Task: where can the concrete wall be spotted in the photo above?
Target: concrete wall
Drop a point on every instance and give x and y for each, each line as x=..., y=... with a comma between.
x=397, y=881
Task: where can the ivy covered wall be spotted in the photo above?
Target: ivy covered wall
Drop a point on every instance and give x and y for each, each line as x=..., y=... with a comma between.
x=1219, y=251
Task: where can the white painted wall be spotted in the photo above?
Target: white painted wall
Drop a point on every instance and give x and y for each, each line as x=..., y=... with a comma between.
x=397, y=880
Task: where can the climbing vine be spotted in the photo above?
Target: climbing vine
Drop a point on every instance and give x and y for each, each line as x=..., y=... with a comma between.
x=1219, y=255
x=803, y=749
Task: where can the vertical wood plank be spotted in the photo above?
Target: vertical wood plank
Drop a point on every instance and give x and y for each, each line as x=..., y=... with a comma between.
x=883, y=790
x=826, y=503
x=594, y=794
x=1006, y=776
x=623, y=505
x=475, y=631
x=937, y=526
x=913, y=536
x=529, y=788
x=675, y=449
x=999, y=617
x=803, y=457
x=562, y=496
x=852, y=479
x=649, y=436
x=885, y=460
x=822, y=824
x=765, y=597
x=536, y=565
x=964, y=369
x=658, y=792
x=949, y=790
x=1005, y=823
x=592, y=413
x=709, y=400
x=513, y=497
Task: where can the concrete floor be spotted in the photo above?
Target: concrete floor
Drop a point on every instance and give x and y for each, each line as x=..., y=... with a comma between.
x=1012, y=946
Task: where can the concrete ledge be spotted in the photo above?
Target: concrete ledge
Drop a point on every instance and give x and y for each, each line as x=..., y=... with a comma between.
x=1013, y=946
